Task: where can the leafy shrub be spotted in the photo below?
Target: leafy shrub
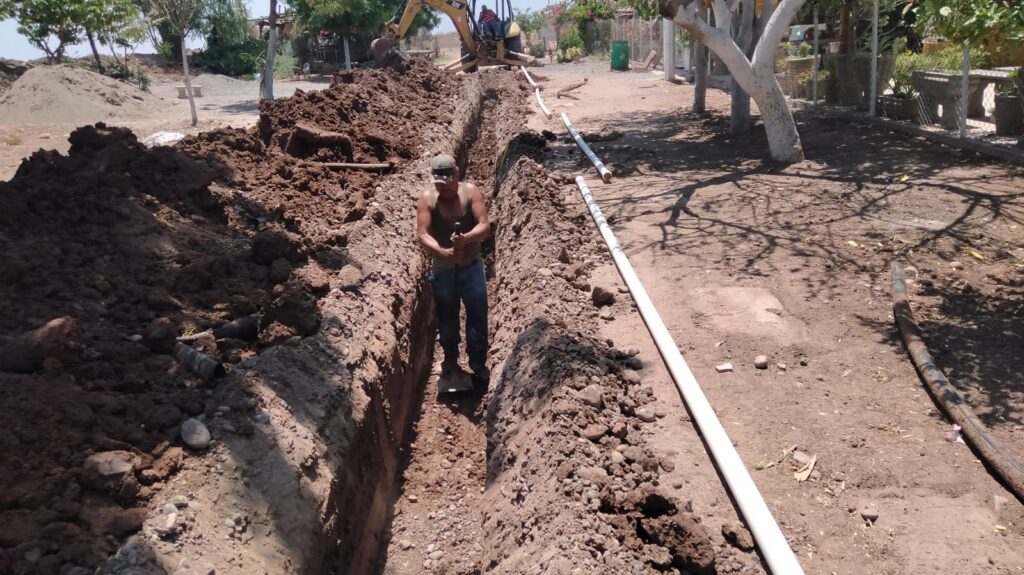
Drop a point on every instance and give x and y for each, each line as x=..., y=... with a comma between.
x=538, y=50
x=240, y=59
x=570, y=38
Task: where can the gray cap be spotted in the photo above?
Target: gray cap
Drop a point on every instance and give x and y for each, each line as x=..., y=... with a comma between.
x=442, y=168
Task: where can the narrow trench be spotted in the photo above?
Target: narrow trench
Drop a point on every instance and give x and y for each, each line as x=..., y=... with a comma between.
x=435, y=518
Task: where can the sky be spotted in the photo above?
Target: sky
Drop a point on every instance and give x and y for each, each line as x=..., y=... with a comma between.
x=16, y=47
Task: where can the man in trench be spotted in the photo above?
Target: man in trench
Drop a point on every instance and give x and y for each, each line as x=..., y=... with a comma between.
x=451, y=223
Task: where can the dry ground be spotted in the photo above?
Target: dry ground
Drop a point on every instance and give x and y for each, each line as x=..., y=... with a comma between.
x=743, y=257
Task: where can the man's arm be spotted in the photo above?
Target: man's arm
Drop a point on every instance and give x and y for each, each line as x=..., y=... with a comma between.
x=423, y=229
x=483, y=223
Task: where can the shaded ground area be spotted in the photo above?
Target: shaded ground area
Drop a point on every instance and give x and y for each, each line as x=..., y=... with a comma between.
x=744, y=258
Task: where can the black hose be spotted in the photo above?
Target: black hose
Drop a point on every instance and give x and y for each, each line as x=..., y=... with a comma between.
x=1009, y=470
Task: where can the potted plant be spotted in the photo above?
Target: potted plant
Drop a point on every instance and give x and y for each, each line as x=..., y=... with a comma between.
x=1009, y=113
x=902, y=103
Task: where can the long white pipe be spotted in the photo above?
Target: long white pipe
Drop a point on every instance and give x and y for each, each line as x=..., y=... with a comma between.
x=773, y=545
x=536, y=92
x=605, y=173
x=543, y=108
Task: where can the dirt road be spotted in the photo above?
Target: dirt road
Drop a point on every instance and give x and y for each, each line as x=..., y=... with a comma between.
x=743, y=258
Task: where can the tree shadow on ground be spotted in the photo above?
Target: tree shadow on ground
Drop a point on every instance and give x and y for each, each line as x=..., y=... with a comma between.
x=863, y=199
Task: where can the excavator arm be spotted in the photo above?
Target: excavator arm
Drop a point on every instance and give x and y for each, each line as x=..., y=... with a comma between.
x=457, y=10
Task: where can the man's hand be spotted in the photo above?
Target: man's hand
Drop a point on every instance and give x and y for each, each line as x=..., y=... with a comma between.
x=459, y=242
x=451, y=255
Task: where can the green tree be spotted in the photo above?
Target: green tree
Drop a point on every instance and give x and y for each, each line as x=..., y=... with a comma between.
x=112, y=23
x=50, y=25
x=357, y=17
x=224, y=22
x=530, y=21
x=971, y=21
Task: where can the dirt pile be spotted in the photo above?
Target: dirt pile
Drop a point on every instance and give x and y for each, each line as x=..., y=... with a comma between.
x=65, y=94
x=10, y=71
x=572, y=483
x=128, y=248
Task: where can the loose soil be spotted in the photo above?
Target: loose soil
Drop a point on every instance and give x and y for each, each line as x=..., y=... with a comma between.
x=133, y=247
x=744, y=257
x=65, y=94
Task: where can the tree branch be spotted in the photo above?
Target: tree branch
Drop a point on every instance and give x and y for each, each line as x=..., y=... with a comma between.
x=714, y=38
x=778, y=25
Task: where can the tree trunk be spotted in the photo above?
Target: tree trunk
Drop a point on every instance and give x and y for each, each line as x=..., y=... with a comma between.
x=95, y=52
x=783, y=138
x=700, y=78
x=348, y=55
x=267, y=85
x=188, y=82
x=844, y=29
x=743, y=28
x=755, y=75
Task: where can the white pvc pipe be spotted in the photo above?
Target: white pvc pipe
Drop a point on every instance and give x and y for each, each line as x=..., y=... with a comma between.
x=529, y=78
x=773, y=545
x=602, y=170
x=543, y=108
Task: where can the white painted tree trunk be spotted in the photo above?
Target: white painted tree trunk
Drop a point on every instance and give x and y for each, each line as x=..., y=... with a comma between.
x=267, y=85
x=348, y=57
x=188, y=83
x=668, y=49
x=755, y=75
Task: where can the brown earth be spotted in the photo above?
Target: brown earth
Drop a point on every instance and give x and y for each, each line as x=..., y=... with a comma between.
x=138, y=246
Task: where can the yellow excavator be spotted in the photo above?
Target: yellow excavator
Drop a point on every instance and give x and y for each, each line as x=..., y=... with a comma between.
x=498, y=42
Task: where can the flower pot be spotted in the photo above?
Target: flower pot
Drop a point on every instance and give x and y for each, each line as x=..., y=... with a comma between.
x=1009, y=116
x=898, y=108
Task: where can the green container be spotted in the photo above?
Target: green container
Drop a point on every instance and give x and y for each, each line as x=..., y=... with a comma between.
x=620, y=56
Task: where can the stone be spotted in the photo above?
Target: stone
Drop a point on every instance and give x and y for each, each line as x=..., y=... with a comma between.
x=413, y=498
x=804, y=361
x=738, y=537
x=280, y=271
x=956, y=265
x=724, y=368
x=169, y=508
x=435, y=555
x=646, y=415
x=262, y=417
x=592, y=396
x=630, y=376
x=594, y=432
x=667, y=464
x=544, y=272
x=617, y=458
x=781, y=366
x=606, y=314
x=270, y=244
x=161, y=335
x=195, y=434
x=620, y=429
x=761, y=362
x=634, y=362
x=405, y=544
x=107, y=469
x=349, y=278
x=869, y=514
x=602, y=297
x=801, y=458
x=998, y=502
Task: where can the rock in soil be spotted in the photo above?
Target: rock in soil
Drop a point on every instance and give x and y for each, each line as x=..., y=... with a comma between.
x=602, y=297
x=761, y=362
x=195, y=434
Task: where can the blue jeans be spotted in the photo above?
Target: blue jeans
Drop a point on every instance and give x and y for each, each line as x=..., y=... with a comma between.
x=467, y=286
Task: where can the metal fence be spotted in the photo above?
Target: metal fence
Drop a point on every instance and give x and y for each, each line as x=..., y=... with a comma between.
x=962, y=103
x=644, y=37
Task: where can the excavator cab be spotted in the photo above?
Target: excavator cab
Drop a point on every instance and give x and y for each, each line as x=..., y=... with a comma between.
x=500, y=43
